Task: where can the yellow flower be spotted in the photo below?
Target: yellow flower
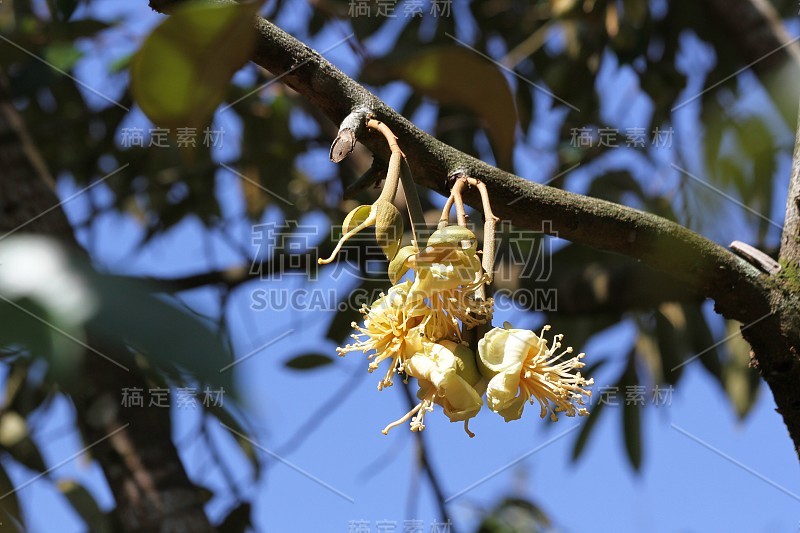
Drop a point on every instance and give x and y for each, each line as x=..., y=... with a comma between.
x=448, y=272
x=448, y=376
x=520, y=367
x=389, y=329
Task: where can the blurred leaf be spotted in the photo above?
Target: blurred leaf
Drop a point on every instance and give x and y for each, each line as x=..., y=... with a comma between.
x=525, y=107
x=515, y=515
x=631, y=415
x=268, y=158
x=84, y=503
x=68, y=32
x=613, y=186
x=309, y=361
x=238, y=520
x=586, y=429
x=671, y=333
x=224, y=416
x=741, y=381
x=120, y=64
x=65, y=8
x=366, y=19
x=256, y=198
x=184, y=67
x=169, y=337
x=454, y=75
x=31, y=334
x=701, y=341
x=349, y=312
x=62, y=55
x=15, y=438
x=10, y=512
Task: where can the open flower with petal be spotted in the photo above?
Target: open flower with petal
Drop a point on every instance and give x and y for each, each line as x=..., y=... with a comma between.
x=448, y=376
x=390, y=329
x=520, y=367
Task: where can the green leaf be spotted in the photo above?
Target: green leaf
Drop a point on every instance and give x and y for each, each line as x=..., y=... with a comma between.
x=108, y=310
x=453, y=75
x=184, y=67
x=309, y=361
x=84, y=503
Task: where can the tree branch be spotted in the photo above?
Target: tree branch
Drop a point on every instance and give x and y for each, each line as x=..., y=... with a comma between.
x=666, y=246
x=739, y=289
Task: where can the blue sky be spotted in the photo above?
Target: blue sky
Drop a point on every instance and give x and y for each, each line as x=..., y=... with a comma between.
x=742, y=476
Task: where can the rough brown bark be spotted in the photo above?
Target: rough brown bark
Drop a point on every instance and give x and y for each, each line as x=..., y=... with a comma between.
x=141, y=464
x=790, y=239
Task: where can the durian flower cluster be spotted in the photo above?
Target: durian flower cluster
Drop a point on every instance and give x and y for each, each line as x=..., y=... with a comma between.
x=422, y=326
x=416, y=330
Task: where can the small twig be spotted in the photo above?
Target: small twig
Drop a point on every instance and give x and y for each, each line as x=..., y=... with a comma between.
x=755, y=257
x=349, y=130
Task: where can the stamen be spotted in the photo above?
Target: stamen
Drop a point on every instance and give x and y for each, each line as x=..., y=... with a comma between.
x=405, y=417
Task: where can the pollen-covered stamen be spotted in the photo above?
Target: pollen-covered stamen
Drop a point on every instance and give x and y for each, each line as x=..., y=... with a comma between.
x=426, y=405
x=548, y=379
x=461, y=305
x=387, y=381
x=405, y=417
x=438, y=325
x=417, y=414
x=386, y=333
